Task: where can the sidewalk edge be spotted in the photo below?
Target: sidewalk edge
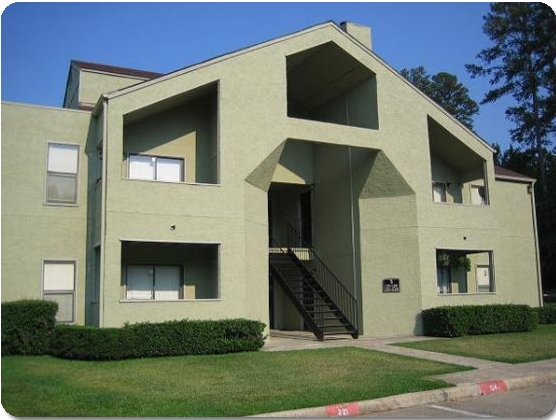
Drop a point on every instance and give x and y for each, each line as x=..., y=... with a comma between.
x=410, y=400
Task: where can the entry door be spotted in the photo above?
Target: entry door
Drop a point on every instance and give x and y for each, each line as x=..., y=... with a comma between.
x=483, y=278
x=306, y=218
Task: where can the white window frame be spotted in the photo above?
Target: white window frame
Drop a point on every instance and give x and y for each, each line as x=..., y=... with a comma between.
x=61, y=291
x=153, y=296
x=155, y=160
x=64, y=174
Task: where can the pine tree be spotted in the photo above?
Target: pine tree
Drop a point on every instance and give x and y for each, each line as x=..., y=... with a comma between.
x=521, y=63
x=445, y=89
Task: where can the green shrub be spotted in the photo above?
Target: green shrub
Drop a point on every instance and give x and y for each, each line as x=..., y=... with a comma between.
x=456, y=321
x=173, y=338
x=547, y=314
x=27, y=326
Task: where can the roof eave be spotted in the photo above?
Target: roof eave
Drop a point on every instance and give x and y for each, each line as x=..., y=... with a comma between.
x=331, y=24
x=214, y=60
x=524, y=180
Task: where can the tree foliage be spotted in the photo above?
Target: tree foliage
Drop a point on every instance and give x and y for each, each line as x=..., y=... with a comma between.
x=445, y=89
x=522, y=63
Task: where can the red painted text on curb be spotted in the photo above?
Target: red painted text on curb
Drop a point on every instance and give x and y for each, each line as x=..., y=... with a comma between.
x=492, y=387
x=343, y=410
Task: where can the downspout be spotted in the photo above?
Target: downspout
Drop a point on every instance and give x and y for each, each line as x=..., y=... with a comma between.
x=535, y=233
x=103, y=208
x=352, y=215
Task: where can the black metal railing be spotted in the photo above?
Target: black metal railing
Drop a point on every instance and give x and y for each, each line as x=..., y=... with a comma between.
x=327, y=280
x=301, y=291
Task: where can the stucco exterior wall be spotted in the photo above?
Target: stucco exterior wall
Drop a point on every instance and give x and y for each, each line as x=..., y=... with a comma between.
x=33, y=231
x=373, y=212
x=92, y=84
x=407, y=225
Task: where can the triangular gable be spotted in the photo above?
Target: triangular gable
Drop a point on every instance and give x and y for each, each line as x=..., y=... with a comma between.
x=331, y=25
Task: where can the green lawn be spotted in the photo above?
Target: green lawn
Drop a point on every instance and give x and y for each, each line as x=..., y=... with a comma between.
x=510, y=348
x=217, y=386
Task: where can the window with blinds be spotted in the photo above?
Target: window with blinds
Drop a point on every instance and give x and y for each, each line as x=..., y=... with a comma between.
x=153, y=282
x=155, y=168
x=59, y=286
x=62, y=170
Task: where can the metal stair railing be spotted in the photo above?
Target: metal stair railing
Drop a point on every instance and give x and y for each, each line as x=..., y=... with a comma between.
x=317, y=316
x=338, y=293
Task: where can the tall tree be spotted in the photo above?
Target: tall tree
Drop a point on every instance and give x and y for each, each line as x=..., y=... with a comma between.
x=445, y=89
x=521, y=62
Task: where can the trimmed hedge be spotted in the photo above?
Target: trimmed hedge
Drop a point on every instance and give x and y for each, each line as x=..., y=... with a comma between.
x=173, y=338
x=27, y=326
x=547, y=314
x=456, y=321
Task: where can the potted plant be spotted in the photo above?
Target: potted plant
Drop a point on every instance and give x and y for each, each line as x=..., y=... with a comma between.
x=443, y=259
x=463, y=262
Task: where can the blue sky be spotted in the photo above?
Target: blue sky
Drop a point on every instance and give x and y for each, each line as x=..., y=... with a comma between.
x=40, y=39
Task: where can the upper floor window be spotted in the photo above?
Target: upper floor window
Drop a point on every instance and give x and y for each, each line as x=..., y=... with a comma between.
x=62, y=170
x=155, y=168
x=478, y=196
x=439, y=192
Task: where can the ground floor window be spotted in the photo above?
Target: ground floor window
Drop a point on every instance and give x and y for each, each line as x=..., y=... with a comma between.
x=153, y=282
x=464, y=271
x=169, y=271
x=59, y=286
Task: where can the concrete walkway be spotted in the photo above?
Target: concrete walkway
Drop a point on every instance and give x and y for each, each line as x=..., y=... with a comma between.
x=487, y=377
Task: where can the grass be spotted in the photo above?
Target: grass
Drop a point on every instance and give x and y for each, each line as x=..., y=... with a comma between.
x=509, y=348
x=216, y=386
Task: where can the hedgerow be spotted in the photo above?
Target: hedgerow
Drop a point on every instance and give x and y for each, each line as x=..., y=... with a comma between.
x=27, y=326
x=172, y=338
x=456, y=321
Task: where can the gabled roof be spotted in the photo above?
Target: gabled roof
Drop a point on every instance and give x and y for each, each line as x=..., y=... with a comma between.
x=124, y=71
x=331, y=24
x=507, y=174
x=229, y=55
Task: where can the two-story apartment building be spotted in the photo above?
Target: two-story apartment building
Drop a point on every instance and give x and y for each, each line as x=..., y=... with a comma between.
x=301, y=182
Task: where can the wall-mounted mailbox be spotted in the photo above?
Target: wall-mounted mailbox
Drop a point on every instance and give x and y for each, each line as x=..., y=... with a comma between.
x=391, y=286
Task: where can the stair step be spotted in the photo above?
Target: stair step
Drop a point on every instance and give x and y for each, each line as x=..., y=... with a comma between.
x=306, y=293
x=349, y=332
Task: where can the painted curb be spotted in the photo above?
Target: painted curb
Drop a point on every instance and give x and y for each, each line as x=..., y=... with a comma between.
x=417, y=398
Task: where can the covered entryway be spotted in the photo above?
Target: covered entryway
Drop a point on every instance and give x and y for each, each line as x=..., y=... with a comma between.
x=311, y=227
x=314, y=192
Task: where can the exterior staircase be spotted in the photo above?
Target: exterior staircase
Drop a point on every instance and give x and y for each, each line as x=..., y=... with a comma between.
x=321, y=299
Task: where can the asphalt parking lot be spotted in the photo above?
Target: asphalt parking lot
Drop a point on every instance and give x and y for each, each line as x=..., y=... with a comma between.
x=534, y=401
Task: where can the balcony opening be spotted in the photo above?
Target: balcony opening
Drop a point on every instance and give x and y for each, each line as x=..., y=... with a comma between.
x=458, y=174
x=461, y=272
x=174, y=140
x=154, y=271
x=327, y=84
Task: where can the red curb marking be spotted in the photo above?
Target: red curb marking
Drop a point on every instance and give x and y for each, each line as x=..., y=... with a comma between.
x=492, y=387
x=343, y=410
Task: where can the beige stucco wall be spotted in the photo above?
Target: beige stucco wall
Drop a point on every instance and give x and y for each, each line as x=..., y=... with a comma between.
x=92, y=84
x=373, y=213
x=31, y=230
x=396, y=235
